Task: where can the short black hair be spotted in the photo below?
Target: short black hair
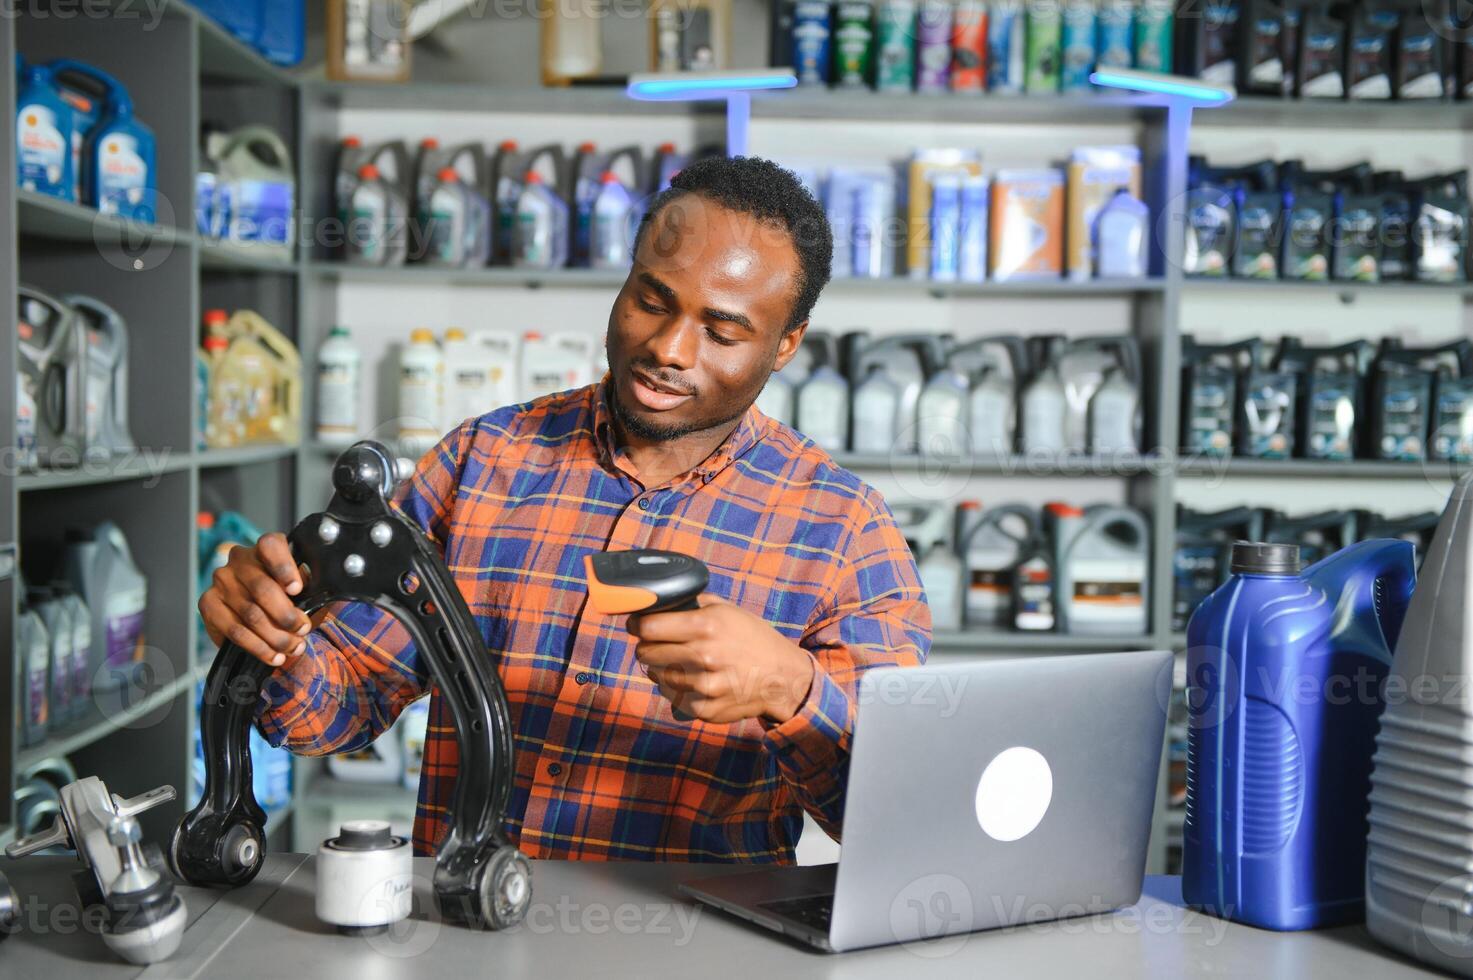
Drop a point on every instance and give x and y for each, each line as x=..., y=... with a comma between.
x=768, y=192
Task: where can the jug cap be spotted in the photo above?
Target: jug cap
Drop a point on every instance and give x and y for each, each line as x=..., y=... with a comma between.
x=1264, y=558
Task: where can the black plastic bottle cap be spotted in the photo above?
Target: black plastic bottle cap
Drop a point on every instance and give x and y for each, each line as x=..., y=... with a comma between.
x=1264, y=558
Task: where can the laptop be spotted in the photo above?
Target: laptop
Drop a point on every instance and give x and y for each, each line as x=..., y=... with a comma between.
x=981, y=795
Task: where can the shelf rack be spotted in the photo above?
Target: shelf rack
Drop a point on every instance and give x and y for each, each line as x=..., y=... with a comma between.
x=185, y=68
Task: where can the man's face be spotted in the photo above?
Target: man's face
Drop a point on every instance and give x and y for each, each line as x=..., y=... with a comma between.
x=698, y=326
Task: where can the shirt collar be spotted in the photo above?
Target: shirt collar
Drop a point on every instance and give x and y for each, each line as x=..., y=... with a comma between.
x=748, y=433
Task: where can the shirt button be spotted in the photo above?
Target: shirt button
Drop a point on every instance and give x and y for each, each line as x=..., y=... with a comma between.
x=583, y=677
x=644, y=503
x=554, y=770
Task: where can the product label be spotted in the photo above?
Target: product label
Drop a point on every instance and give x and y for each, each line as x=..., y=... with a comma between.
x=969, y=48
x=1256, y=256
x=122, y=177
x=1113, y=37
x=1306, y=256
x=419, y=400
x=1078, y=45
x=260, y=211
x=876, y=409
x=1265, y=69
x=1108, y=595
x=811, y=42
x=1403, y=419
x=992, y=419
x=1152, y=38
x=945, y=226
x=852, y=42
x=1033, y=596
x=40, y=151
x=1331, y=428
x=81, y=654
x=1219, y=30
x=894, y=48
x=1043, y=424
x=972, y=261
x=822, y=415
x=123, y=625
x=1439, y=234
x=1320, y=66
x=989, y=596
x=1452, y=429
x=1210, y=419
x=1268, y=416
x=1209, y=232
x=1041, y=72
x=337, y=399
x=367, y=223
x=1356, y=244
x=38, y=711
x=447, y=217
x=933, y=46
x=25, y=421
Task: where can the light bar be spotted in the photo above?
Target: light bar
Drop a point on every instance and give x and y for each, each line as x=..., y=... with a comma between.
x=686, y=86
x=1155, y=83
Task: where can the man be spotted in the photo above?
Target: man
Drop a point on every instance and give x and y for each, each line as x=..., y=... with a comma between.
x=811, y=581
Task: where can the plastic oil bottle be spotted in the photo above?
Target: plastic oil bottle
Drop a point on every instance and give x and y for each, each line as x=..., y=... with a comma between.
x=1209, y=392
x=105, y=374
x=57, y=618
x=33, y=653
x=421, y=393
x=1284, y=669
x=338, y=366
x=941, y=414
x=1044, y=407
x=43, y=128
x=1420, y=845
x=80, y=642
x=991, y=544
x=273, y=368
x=100, y=567
x=541, y=230
x=611, y=237
x=1102, y=569
x=894, y=366
x=122, y=174
x=995, y=366
x=823, y=398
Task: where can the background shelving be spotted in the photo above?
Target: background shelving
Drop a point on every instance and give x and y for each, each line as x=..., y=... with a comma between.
x=186, y=70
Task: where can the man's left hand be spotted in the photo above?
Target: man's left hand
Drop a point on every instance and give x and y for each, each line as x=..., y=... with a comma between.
x=721, y=663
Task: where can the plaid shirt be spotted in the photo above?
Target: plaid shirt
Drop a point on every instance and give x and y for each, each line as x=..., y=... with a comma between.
x=515, y=499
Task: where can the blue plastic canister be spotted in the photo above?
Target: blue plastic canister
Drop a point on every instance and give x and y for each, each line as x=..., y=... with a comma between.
x=1284, y=673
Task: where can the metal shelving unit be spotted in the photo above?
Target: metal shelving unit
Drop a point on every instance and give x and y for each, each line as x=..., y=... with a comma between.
x=158, y=276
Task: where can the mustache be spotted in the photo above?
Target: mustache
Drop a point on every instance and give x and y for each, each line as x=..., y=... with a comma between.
x=660, y=377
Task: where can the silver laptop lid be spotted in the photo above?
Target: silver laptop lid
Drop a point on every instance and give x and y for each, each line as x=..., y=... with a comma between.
x=987, y=794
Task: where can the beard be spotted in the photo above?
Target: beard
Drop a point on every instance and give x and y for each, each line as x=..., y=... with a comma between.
x=649, y=431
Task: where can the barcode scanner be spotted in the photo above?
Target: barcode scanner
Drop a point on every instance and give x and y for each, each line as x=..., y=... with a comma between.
x=645, y=581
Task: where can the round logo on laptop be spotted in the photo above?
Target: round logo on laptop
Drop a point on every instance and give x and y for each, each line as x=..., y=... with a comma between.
x=1014, y=793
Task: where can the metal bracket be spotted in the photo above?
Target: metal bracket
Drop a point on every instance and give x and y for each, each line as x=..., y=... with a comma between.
x=146, y=918
x=361, y=550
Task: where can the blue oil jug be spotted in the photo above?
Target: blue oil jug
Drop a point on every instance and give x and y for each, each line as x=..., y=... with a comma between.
x=43, y=130
x=283, y=36
x=240, y=17
x=1284, y=674
x=119, y=172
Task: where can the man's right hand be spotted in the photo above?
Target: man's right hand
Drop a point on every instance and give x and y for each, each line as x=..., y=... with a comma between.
x=250, y=604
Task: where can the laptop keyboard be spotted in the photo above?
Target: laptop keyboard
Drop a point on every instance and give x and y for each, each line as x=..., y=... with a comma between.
x=811, y=910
